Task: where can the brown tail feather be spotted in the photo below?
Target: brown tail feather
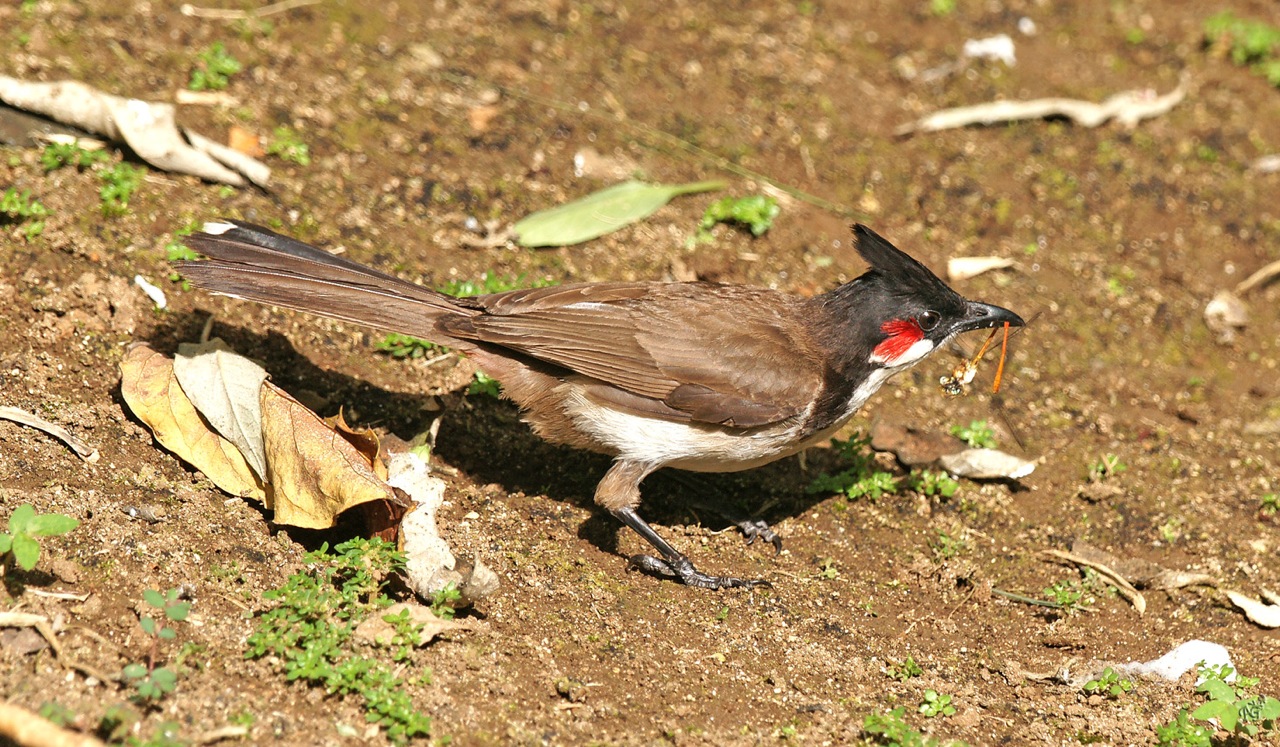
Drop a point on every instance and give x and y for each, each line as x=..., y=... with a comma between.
x=255, y=264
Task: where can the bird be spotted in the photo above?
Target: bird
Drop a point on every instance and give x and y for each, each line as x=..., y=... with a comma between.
x=698, y=376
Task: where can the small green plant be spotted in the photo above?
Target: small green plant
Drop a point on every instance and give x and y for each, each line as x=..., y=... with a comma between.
x=315, y=615
x=827, y=569
x=442, y=601
x=892, y=730
x=56, y=713
x=489, y=283
x=947, y=546
x=118, y=185
x=153, y=683
x=286, y=144
x=1184, y=732
x=1270, y=504
x=215, y=69
x=941, y=8
x=20, y=546
x=860, y=478
x=176, y=251
x=1108, y=465
x=1254, y=44
x=57, y=155
x=1109, y=683
x=485, y=384
x=936, y=704
x=904, y=671
x=18, y=207
x=978, y=434
x=397, y=345
x=1067, y=595
x=927, y=482
x=1236, y=711
x=755, y=212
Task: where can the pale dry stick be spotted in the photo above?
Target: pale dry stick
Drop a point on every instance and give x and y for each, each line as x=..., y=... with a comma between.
x=1267, y=272
x=225, y=732
x=1128, y=108
x=221, y=14
x=22, y=417
x=22, y=727
x=1125, y=588
x=41, y=624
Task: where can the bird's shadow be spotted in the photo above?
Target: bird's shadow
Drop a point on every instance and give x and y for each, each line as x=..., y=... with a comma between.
x=484, y=438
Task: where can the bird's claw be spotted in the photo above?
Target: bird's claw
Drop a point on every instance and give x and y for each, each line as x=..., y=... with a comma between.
x=754, y=529
x=682, y=568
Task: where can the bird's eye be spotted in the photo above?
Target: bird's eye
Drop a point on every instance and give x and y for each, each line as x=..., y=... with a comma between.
x=928, y=320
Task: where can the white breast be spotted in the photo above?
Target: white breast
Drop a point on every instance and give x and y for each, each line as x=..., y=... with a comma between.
x=702, y=447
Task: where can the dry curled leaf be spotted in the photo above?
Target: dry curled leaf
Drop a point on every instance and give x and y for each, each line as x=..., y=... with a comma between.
x=378, y=631
x=987, y=464
x=147, y=127
x=1262, y=613
x=313, y=473
x=151, y=391
x=224, y=386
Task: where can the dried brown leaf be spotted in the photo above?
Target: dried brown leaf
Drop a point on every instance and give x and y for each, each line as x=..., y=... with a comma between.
x=225, y=388
x=151, y=391
x=313, y=472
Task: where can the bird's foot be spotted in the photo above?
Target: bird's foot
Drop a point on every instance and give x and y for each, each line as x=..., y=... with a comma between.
x=754, y=529
x=681, y=568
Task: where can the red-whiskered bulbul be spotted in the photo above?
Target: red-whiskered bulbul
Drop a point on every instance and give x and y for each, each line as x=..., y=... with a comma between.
x=697, y=376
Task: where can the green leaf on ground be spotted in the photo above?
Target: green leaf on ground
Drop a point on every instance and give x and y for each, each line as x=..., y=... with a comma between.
x=601, y=212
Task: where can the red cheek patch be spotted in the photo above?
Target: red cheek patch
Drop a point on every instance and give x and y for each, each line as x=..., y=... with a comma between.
x=902, y=334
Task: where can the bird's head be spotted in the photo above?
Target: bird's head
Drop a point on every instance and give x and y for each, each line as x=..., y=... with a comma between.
x=898, y=311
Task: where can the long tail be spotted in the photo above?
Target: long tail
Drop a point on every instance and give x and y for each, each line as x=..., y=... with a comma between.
x=256, y=264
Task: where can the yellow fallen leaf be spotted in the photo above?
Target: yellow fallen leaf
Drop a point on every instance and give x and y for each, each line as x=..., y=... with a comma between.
x=151, y=391
x=313, y=473
x=366, y=442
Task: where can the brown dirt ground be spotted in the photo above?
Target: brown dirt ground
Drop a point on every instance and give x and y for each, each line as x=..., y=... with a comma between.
x=1121, y=237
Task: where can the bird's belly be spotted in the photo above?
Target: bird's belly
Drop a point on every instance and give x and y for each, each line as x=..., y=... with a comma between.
x=699, y=447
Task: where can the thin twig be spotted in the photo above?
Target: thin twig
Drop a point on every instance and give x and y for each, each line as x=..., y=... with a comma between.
x=1025, y=600
x=22, y=727
x=1125, y=588
x=41, y=624
x=22, y=417
x=222, y=14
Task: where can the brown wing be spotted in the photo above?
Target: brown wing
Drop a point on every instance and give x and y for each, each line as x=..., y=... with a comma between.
x=695, y=351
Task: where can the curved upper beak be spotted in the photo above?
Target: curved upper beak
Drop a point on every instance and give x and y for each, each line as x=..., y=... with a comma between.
x=986, y=316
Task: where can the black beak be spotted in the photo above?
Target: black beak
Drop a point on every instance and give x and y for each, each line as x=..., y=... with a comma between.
x=986, y=316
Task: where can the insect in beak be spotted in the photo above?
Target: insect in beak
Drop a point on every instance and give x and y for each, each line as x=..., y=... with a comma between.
x=957, y=383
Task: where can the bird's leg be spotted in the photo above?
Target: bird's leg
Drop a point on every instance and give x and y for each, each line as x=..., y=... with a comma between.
x=619, y=492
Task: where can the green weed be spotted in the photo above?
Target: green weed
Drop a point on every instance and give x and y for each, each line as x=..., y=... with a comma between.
x=904, y=671
x=20, y=545
x=57, y=155
x=936, y=704
x=1109, y=683
x=19, y=207
x=215, y=69
x=1252, y=44
x=118, y=185
x=978, y=434
x=316, y=613
x=287, y=145
x=152, y=683
x=1108, y=465
x=755, y=212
